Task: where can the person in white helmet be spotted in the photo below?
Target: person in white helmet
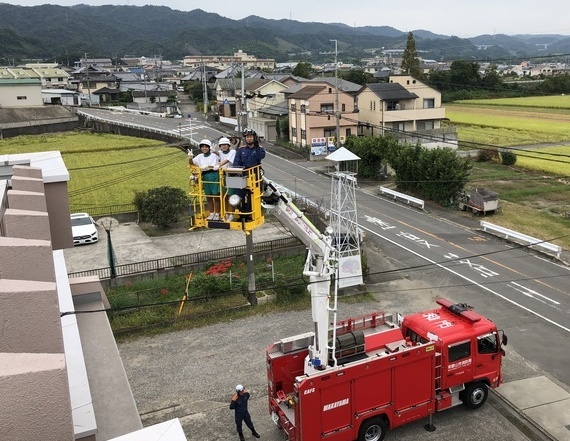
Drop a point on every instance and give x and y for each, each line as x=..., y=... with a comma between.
x=209, y=164
x=239, y=405
x=226, y=156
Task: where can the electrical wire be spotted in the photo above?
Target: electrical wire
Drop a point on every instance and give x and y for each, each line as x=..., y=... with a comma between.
x=391, y=271
x=128, y=176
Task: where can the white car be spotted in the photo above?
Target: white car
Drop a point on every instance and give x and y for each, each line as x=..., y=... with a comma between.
x=83, y=228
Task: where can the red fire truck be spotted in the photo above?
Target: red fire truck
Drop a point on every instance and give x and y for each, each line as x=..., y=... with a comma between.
x=365, y=375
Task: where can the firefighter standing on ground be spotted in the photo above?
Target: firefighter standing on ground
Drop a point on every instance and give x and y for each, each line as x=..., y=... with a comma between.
x=239, y=404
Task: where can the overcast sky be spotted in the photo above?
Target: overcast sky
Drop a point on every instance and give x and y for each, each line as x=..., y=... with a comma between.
x=448, y=17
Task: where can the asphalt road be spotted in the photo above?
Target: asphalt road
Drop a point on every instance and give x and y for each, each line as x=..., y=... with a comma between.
x=524, y=292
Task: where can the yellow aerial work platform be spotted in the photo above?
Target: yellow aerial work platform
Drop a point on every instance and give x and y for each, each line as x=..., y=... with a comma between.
x=239, y=196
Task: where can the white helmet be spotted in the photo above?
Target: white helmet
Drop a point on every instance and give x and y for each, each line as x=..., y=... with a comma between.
x=239, y=388
x=223, y=141
x=206, y=142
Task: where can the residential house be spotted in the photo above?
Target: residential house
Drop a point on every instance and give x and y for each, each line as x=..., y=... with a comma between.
x=264, y=105
x=406, y=108
x=229, y=93
x=284, y=78
x=250, y=108
x=313, y=107
x=99, y=63
x=87, y=80
x=61, y=374
x=51, y=75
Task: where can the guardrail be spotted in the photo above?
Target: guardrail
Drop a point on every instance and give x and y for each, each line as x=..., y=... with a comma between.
x=531, y=241
x=397, y=196
x=172, y=132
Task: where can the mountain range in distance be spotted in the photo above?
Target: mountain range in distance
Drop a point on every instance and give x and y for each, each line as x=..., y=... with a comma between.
x=66, y=33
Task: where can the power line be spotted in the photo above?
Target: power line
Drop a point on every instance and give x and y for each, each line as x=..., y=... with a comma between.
x=126, y=177
x=428, y=265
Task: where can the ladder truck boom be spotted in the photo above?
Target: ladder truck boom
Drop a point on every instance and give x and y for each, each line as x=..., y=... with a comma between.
x=319, y=268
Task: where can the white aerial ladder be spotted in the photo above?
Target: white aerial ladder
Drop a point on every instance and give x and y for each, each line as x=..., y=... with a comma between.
x=320, y=266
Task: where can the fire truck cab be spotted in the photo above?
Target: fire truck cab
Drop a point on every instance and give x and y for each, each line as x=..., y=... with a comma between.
x=469, y=351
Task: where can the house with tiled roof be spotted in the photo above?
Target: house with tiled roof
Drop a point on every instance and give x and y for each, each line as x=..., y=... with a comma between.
x=312, y=109
x=406, y=108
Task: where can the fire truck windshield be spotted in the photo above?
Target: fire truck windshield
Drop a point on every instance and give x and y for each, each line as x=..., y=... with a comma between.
x=487, y=344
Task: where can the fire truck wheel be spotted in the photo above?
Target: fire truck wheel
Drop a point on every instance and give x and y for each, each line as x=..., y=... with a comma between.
x=474, y=395
x=373, y=429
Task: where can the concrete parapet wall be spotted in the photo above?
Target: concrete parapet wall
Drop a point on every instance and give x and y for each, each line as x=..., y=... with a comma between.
x=30, y=317
x=32, y=404
x=27, y=200
x=28, y=184
x=25, y=259
x=28, y=172
x=27, y=224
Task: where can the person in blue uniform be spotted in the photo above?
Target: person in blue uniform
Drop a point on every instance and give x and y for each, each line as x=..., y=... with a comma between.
x=239, y=405
x=251, y=153
x=247, y=156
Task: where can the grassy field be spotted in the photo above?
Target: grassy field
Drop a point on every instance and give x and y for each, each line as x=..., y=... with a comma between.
x=540, y=102
x=501, y=126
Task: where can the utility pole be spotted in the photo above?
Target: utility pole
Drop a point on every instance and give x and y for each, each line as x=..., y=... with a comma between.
x=242, y=109
x=88, y=84
x=144, y=82
x=205, y=82
x=336, y=105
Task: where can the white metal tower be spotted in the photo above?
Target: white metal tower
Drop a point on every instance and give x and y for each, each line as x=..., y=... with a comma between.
x=343, y=217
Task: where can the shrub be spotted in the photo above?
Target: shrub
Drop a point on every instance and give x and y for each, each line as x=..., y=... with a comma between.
x=138, y=202
x=508, y=158
x=486, y=155
x=163, y=205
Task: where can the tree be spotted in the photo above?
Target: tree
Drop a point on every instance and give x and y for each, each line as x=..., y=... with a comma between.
x=303, y=69
x=410, y=61
x=283, y=123
x=464, y=75
x=372, y=152
x=508, y=158
x=435, y=174
x=358, y=77
x=492, y=80
x=162, y=206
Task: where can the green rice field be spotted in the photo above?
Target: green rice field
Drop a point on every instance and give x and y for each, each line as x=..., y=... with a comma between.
x=502, y=126
x=546, y=102
x=108, y=169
